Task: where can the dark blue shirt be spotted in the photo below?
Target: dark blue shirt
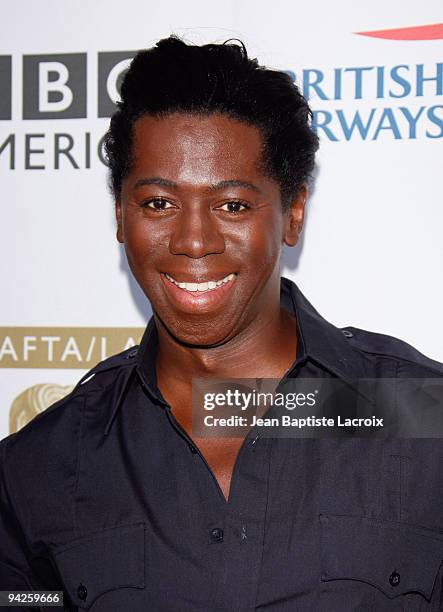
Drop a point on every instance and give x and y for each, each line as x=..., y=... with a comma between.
x=104, y=495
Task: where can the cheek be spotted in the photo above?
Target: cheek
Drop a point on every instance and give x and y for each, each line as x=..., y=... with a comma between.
x=141, y=241
x=258, y=245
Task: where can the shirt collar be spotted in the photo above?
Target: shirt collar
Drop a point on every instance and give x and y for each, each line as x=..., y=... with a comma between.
x=318, y=340
x=323, y=342
x=146, y=361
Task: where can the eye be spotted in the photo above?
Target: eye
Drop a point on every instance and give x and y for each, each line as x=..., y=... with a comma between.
x=158, y=204
x=234, y=207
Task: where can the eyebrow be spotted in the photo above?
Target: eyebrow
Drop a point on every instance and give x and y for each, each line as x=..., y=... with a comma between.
x=162, y=182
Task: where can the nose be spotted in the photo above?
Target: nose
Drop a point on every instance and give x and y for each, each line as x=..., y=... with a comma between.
x=196, y=234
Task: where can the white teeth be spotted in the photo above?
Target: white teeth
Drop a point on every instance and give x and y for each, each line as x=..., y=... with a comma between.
x=208, y=285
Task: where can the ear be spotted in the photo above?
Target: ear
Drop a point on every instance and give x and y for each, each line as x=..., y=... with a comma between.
x=294, y=217
x=118, y=215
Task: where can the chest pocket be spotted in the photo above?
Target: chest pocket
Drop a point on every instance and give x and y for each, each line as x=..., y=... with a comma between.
x=394, y=566
x=102, y=562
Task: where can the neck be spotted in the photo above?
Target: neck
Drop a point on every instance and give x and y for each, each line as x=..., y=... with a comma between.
x=265, y=349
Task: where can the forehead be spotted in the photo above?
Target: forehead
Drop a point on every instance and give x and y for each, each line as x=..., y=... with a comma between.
x=197, y=148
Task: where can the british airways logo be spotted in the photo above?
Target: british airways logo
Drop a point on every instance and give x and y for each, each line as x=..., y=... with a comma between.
x=389, y=102
x=399, y=102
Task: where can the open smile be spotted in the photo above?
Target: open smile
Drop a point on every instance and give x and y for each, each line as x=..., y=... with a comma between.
x=209, y=285
x=196, y=298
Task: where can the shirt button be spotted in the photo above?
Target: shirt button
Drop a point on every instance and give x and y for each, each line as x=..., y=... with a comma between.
x=82, y=591
x=217, y=535
x=394, y=579
x=347, y=334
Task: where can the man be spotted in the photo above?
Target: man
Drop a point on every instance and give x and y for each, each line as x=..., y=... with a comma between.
x=109, y=496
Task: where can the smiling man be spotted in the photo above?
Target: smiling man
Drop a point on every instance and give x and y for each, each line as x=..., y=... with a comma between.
x=109, y=496
x=203, y=228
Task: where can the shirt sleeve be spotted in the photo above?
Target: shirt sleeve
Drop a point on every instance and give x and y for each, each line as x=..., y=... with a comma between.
x=15, y=569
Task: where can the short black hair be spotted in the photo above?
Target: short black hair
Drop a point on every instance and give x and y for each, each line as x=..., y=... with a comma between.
x=174, y=76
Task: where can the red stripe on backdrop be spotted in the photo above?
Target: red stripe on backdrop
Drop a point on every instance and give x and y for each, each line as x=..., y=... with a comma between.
x=426, y=32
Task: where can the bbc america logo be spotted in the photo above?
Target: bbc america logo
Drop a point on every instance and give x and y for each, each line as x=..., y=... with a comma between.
x=55, y=86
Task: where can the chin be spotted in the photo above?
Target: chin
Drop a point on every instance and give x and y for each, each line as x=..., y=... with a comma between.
x=199, y=334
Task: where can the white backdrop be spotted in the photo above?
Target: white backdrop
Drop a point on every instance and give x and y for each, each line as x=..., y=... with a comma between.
x=371, y=254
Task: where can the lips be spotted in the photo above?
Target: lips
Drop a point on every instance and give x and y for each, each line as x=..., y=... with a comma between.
x=198, y=297
x=201, y=287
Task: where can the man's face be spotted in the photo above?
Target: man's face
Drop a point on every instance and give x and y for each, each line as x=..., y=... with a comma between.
x=197, y=211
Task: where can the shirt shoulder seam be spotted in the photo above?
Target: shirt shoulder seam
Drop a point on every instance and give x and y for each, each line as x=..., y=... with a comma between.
x=399, y=360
